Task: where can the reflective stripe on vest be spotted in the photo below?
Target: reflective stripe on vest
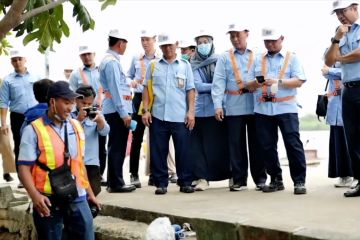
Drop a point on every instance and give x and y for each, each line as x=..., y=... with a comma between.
x=51, y=148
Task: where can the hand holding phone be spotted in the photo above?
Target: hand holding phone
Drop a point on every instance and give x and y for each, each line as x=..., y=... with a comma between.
x=260, y=79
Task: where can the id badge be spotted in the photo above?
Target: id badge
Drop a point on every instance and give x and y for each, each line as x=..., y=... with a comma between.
x=181, y=82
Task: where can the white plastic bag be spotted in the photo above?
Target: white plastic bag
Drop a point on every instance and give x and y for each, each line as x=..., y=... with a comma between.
x=160, y=229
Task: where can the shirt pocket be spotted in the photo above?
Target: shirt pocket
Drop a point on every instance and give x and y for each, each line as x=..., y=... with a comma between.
x=180, y=80
x=159, y=78
x=17, y=91
x=356, y=42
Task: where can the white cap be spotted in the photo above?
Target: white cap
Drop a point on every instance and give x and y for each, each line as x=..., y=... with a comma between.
x=186, y=44
x=117, y=34
x=147, y=33
x=164, y=39
x=270, y=34
x=341, y=4
x=203, y=32
x=17, y=53
x=233, y=27
x=85, y=49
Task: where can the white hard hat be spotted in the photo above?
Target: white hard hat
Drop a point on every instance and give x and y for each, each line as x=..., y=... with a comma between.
x=85, y=49
x=270, y=34
x=115, y=33
x=233, y=27
x=164, y=39
x=147, y=33
x=341, y=4
x=186, y=44
x=202, y=33
x=17, y=53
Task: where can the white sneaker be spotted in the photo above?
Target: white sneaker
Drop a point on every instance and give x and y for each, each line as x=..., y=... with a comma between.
x=354, y=183
x=195, y=182
x=202, y=185
x=344, y=182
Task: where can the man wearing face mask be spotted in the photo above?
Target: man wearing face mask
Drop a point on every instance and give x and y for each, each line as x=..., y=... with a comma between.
x=232, y=98
x=187, y=50
x=46, y=142
x=345, y=48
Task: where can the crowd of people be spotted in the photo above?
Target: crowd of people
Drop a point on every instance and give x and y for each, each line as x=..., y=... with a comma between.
x=209, y=117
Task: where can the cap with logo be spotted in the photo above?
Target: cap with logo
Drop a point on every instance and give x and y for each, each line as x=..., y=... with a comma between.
x=233, y=27
x=61, y=89
x=165, y=39
x=17, y=53
x=85, y=49
x=203, y=33
x=115, y=33
x=341, y=4
x=270, y=34
x=147, y=33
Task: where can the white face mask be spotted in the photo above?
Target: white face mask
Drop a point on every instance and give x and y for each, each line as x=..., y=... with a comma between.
x=55, y=111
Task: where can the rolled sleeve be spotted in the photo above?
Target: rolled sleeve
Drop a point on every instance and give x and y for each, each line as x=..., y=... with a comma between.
x=28, y=146
x=219, y=82
x=190, y=78
x=105, y=131
x=4, y=95
x=296, y=69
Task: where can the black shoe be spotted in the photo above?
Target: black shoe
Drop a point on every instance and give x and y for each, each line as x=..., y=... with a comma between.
x=187, y=189
x=161, y=191
x=122, y=189
x=299, y=188
x=103, y=183
x=353, y=192
x=7, y=177
x=259, y=186
x=151, y=181
x=238, y=187
x=134, y=180
x=274, y=187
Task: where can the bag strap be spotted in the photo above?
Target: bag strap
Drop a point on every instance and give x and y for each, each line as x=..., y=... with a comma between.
x=326, y=86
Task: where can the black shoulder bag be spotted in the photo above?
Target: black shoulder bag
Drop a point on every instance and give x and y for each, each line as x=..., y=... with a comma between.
x=62, y=181
x=322, y=102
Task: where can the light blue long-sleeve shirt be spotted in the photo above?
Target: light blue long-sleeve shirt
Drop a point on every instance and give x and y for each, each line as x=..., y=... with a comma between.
x=92, y=133
x=204, y=106
x=92, y=75
x=224, y=79
x=113, y=81
x=350, y=42
x=334, y=109
x=16, y=92
x=171, y=81
x=29, y=149
x=135, y=70
x=274, y=65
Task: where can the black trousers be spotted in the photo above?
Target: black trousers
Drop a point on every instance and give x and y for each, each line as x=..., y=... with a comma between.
x=102, y=153
x=116, y=149
x=267, y=133
x=242, y=137
x=16, y=121
x=137, y=136
x=351, y=119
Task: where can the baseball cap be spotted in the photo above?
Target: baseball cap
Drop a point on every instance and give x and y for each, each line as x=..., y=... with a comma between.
x=270, y=34
x=202, y=33
x=233, y=27
x=17, y=53
x=341, y=4
x=164, y=39
x=117, y=34
x=85, y=49
x=61, y=89
x=147, y=33
x=186, y=44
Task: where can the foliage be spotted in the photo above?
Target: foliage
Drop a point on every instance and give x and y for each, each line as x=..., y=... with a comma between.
x=310, y=122
x=42, y=21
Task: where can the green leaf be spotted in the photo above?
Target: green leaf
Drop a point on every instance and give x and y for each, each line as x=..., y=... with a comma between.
x=30, y=37
x=65, y=28
x=108, y=3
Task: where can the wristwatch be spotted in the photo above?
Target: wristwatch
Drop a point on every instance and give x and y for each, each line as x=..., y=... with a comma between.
x=334, y=41
x=280, y=82
x=144, y=110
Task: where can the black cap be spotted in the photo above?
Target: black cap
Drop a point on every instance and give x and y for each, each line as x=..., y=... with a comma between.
x=61, y=89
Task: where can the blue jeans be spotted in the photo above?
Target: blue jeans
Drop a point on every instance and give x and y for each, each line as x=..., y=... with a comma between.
x=73, y=221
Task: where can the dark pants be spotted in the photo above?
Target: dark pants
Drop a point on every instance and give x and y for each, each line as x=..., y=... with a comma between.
x=267, y=133
x=160, y=132
x=209, y=149
x=137, y=138
x=16, y=121
x=239, y=128
x=339, y=159
x=351, y=119
x=116, y=149
x=74, y=221
x=102, y=153
x=93, y=173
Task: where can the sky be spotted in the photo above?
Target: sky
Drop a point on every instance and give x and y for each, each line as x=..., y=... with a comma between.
x=306, y=25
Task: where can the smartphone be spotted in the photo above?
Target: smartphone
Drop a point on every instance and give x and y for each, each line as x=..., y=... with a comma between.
x=260, y=79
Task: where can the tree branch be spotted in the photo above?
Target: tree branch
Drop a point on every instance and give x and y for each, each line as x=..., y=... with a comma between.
x=41, y=9
x=13, y=17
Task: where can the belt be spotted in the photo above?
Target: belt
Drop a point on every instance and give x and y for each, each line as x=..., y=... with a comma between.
x=352, y=84
x=275, y=99
x=237, y=92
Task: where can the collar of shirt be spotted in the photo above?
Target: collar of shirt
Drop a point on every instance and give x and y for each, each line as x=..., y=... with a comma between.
x=90, y=68
x=16, y=74
x=177, y=59
x=282, y=53
x=115, y=54
x=246, y=51
x=156, y=56
x=48, y=121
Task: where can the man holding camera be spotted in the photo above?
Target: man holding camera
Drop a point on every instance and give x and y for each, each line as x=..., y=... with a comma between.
x=278, y=73
x=229, y=83
x=55, y=141
x=94, y=124
x=345, y=48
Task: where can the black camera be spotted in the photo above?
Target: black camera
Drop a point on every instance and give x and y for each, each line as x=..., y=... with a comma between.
x=93, y=209
x=91, y=112
x=260, y=79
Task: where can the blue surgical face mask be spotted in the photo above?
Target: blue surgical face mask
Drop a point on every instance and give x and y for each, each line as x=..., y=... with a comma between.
x=185, y=57
x=204, y=49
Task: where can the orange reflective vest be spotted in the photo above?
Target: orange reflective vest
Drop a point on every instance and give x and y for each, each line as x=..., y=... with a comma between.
x=52, y=148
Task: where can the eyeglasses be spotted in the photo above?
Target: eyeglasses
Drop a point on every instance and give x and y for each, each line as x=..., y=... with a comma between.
x=342, y=11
